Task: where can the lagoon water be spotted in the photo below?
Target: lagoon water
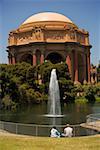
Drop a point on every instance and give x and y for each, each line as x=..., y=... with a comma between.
x=74, y=114
x=32, y=115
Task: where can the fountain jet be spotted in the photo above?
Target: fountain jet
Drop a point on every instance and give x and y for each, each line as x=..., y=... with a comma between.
x=54, y=106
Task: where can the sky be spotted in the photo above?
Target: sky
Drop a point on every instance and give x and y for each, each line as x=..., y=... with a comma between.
x=84, y=13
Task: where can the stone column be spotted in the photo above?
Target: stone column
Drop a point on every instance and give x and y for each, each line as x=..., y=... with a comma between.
x=42, y=59
x=34, y=59
x=13, y=60
x=9, y=60
x=76, y=67
x=84, y=68
x=88, y=65
x=13, y=56
x=68, y=62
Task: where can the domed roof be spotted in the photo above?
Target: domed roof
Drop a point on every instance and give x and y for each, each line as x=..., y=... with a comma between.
x=47, y=16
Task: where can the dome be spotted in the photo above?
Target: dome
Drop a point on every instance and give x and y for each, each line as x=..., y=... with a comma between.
x=47, y=16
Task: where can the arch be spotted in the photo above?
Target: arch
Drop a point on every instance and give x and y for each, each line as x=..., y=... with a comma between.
x=54, y=57
x=26, y=58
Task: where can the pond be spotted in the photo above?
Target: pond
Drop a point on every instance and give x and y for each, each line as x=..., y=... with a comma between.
x=73, y=114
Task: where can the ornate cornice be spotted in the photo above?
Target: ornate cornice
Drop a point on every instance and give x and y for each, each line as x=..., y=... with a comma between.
x=48, y=33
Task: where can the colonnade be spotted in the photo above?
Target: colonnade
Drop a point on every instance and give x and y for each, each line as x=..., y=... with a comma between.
x=85, y=59
x=35, y=59
x=85, y=64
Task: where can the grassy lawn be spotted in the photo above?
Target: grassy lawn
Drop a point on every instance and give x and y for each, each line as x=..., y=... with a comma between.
x=9, y=142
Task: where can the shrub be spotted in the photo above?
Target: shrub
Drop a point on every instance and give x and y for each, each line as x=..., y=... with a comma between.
x=7, y=102
x=90, y=94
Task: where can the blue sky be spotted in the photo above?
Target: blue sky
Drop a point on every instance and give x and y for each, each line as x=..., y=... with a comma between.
x=84, y=13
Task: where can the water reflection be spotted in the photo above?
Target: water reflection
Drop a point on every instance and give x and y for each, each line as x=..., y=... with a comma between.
x=74, y=114
x=54, y=121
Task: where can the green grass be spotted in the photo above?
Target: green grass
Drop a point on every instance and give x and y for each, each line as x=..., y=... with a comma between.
x=81, y=100
x=98, y=99
x=47, y=143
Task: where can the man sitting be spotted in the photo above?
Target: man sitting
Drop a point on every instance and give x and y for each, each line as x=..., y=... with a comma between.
x=67, y=131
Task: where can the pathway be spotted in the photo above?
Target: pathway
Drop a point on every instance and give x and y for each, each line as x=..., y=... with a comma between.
x=92, y=125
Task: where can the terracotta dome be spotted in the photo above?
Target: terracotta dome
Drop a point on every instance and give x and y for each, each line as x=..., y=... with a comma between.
x=47, y=16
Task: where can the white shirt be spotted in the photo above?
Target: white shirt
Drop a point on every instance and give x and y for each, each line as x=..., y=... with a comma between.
x=54, y=133
x=68, y=132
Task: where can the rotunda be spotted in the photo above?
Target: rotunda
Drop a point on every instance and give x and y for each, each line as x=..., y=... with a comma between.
x=51, y=36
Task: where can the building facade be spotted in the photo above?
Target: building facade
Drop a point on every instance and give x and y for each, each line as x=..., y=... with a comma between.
x=51, y=36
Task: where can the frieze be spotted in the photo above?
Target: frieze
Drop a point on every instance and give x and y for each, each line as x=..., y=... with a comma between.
x=70, y=35
x=24, y=37
x=55, y=35
x=80, y=38
x=38, y=33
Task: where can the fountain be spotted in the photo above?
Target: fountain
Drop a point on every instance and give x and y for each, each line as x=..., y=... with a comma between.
x=54, y=107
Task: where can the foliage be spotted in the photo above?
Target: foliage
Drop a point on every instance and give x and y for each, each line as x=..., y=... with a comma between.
x=78, y=90
x=97, y=99
x=13, y=79
x=21, y=84
x=31, y=76
x=97, y=89
x=7, y=102
x=89, y=91
x=66, y=90
x=81, y=100
x=89, y=94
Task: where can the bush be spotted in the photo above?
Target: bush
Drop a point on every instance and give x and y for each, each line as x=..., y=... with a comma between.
x=90, y=94
x=7, y=102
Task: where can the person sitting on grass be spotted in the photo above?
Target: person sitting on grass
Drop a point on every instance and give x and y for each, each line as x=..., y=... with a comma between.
x=67, y=131
x=54, y=132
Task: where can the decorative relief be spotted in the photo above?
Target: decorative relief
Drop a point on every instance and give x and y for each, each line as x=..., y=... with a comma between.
x=11, y=38
x=37, y=33
x=24, y=37
x=80, y=38
x=70, y=34
x=55, y=35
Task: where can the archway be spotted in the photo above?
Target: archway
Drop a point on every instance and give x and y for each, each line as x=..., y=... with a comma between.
x=54, y=58
x=27, y=58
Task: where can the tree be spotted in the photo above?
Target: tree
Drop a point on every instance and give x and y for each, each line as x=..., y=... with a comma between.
x=90, y=94
x=63, y=76
x=20, y=82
